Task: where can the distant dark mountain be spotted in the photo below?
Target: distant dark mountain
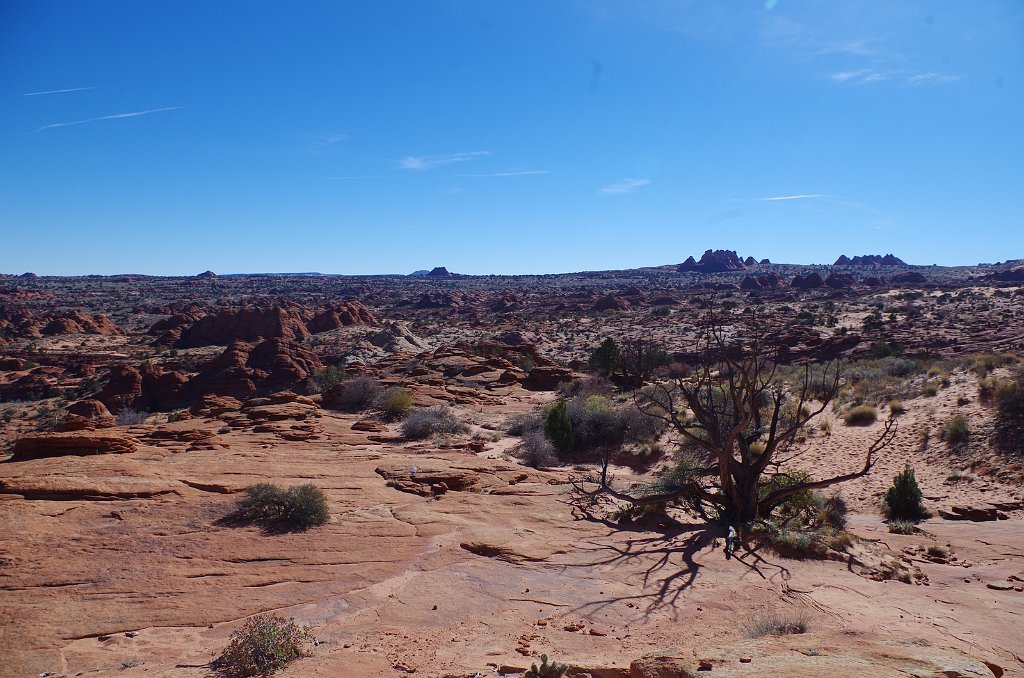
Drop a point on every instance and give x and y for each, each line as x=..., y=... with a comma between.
x=419, y=274
x=869, y=260
x=716, y=261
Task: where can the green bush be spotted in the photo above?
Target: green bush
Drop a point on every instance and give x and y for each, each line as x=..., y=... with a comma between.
x=327, y=378
x=903, y=499
x=862, y=415
x=395, y=403
x=606, y=358
x=558, y=427
x=263, y=645
x=297, y=508
x=957, y=430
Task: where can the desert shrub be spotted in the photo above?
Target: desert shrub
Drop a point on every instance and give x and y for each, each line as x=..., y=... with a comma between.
x=535, y=450
x=521, y=424
x=355, y=395
x=774, y=624
x=930, y=389
x=606, y=359
x=326, y=379
x=987, y=388
x=558, y=427
x=639, y=427
x=903, y=499
x=830, y=511
x=129, y=416
x=263, y=645
x=177, y=415
x=957, y=476
x=297, y=508
x=986, y=363
x=797, y=544
x=794, y=504
x=896, y=408
x=588, y=386
x=862, y=415
x=902, y=527
x=546, y=670
x=429, y=421
x=957, y=430
x=395, y=403
x=1008, y=434
x=826, y=427
x=595, y=423
x=935, y=551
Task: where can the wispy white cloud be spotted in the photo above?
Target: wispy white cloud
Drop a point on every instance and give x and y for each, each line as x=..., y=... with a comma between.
x=58, y=91
x=805, y=196
x=522, y=173
x=864, y=76
x=932, y=78
x=426, y=162
x=624, y=186
x=116, y=116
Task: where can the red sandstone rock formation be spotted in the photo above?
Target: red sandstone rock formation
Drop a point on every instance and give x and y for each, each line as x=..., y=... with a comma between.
x=75, y=443
x=244, y=324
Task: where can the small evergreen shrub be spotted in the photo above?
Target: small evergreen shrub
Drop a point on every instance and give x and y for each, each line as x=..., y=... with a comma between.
x=957, y=430
x=263, y=645
x=297, y=508
x=558, y=427
x=395, y=403
x=429, y=421
x=903, y=499
x=862, y=415
x=606, y=358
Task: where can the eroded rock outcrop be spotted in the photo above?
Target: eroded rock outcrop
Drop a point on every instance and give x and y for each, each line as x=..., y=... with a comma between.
x=244, y=324
x=71, y=443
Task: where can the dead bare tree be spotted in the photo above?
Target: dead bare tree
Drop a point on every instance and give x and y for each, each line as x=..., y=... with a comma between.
x=743, y=423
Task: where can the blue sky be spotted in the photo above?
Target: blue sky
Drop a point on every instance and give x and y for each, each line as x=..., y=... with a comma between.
x=505, y=137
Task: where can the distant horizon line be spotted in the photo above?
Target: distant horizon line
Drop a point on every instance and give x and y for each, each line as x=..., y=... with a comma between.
x=422, y=273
